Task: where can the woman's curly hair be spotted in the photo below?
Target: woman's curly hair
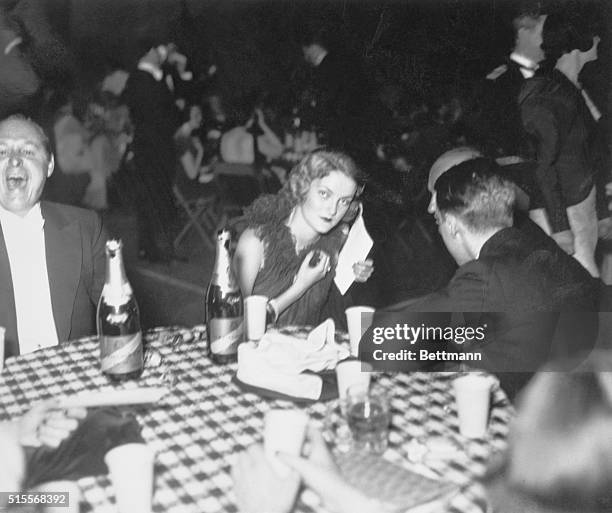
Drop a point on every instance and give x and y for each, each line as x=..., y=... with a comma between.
x=318, y=164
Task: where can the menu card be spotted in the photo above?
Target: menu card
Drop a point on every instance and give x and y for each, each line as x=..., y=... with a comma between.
x=356, y=248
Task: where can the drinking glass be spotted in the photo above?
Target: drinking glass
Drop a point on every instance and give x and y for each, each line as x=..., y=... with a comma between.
x=368, y=418
x=336, y=430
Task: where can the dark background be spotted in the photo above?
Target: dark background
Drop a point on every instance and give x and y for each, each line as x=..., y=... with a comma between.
x=418, y=45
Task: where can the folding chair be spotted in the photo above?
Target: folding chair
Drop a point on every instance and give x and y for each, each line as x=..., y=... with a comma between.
x=201, y=216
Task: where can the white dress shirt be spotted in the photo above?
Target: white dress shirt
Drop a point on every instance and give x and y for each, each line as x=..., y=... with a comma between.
x=25, y=245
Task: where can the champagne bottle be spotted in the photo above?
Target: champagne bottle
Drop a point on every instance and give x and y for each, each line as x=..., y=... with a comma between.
x=118, y=321
x=224, y=314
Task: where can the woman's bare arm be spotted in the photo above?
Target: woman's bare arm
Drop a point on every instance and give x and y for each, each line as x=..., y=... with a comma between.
x=192, y=164
x=248, y=260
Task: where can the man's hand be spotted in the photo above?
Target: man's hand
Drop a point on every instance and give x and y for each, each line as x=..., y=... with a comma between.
x=45, y=424
x=12, y=468
x=258, y=488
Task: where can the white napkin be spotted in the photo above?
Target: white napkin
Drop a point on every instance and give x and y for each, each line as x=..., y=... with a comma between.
x=356, y=248
x=277, y=362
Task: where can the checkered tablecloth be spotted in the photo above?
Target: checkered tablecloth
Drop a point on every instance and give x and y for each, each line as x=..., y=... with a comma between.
x=205, y=420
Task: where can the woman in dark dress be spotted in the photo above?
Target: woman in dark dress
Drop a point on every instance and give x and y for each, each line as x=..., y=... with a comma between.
x=290, y=248
x=556, y=116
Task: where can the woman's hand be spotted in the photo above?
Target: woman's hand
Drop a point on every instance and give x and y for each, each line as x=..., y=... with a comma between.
x=363, y=270
x=308, y=274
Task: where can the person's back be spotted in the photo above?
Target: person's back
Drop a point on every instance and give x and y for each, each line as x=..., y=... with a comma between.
x=516, y=285
x=558, y=458
x=532, y=288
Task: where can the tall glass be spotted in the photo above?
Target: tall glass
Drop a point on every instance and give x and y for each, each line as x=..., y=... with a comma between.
x=368, y=418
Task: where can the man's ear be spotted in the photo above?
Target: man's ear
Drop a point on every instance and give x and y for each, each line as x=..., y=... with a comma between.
x=50, y=166
x=451, y=223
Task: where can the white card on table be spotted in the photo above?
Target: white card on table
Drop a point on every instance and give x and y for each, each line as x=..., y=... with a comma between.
x=356, y=248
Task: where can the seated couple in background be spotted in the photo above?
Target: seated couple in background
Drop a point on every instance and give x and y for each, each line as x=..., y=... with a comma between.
x=533, y=301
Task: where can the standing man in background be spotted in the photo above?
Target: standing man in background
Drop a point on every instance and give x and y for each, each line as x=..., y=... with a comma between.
x=155, y=118
x=19, y=83
x=342, y=99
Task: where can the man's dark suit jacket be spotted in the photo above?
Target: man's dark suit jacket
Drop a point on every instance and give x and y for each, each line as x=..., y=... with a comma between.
x=536, y=302
x=74, y=242
x=500, y=102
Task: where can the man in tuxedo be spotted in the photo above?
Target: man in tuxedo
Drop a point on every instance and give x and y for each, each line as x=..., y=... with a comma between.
x=514, y=285
x=345, y=109
x=51, y=255
x=503, y=85
x=155, y=118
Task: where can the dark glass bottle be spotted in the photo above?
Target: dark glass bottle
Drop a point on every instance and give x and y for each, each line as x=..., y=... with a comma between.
x=224, y=310
x=118, y=321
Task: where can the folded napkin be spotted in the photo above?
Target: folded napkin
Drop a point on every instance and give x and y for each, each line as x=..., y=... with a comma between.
x=82, y=453
x=278, y=361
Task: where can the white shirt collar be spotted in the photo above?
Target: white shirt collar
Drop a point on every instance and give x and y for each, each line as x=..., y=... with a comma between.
x=33, y=219
x=156, y=72
x=524, y=62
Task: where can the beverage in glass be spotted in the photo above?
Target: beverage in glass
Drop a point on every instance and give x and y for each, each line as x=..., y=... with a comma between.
x=368, y=418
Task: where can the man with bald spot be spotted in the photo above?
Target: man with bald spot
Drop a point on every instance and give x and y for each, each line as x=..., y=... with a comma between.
x=512, y=280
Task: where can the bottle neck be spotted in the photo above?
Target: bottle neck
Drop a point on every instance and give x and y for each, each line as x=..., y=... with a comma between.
x=117, y=289
x=223, y=275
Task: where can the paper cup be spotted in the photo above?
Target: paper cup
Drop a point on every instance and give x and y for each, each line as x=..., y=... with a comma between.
x=255, y=316
x=358, y=320
x=352, y=373
x=473, y=396
x=130, y=467
x=284, y=431
x=2, y=331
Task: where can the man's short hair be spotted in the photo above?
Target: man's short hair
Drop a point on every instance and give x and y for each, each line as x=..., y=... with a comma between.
x=528, y=14
x=44, y=138
x=476, y=193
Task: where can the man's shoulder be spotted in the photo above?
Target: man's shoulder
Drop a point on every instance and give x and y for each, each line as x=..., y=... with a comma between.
x=506, y=73
x=62, y=213
x=544, y=89
x=527, y=259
